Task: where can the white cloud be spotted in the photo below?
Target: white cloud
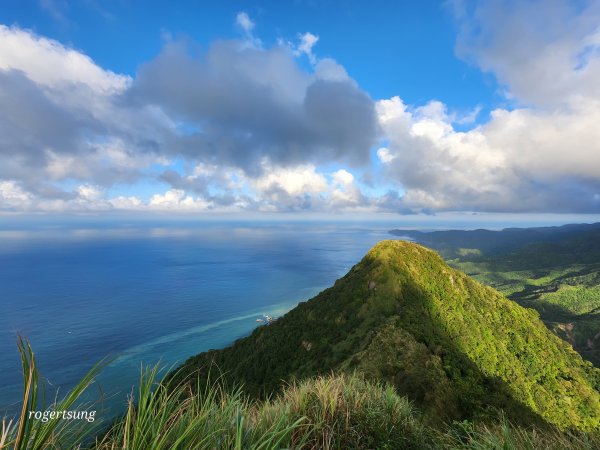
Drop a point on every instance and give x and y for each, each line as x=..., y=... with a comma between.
x=384, y=155
x=126, y=203
x=345, y=193
x=545, y=52
x=62, y=117
x=520, y=160
x=245, y=23
x=12, y=196
x=306, y=44
x=60, y=167
x=467, y=118
x=343, y=177
x=171, y=197
x=90, y=193
x=177, y=199
x=220, y=189
x=246, y=123
x=543, y=155
x=242, y=127
x=285, y=183
x=250, y=103
x=56, y=9
x=49, y=63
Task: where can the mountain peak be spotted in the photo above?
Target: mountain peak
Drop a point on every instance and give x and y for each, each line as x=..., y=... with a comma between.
x=452, y=345
x=392, y=249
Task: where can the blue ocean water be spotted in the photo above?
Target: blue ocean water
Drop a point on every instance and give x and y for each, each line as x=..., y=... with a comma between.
x=144, y=294
x=148, y=293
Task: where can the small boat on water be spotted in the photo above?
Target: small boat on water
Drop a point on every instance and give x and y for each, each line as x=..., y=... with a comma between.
x=267, y=319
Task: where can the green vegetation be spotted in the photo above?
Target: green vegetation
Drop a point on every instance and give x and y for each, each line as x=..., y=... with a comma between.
x=453, y=346
x=504, y=436
x=578, y=299
x=28, y=433
x=403, y=352
x=174, y=418
x=328, y=412
x=555, y=271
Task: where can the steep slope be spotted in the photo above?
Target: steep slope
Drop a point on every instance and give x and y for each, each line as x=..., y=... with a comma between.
x=454, y=346
x=559, y=278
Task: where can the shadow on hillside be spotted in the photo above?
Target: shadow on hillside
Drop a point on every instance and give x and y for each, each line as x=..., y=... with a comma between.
x=334, y=332
x=463, y=391
x=549, y=312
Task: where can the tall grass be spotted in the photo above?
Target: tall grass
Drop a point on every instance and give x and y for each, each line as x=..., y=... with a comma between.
x=328, y=412
x=347, y=412
x=180, y=417
x=28, y=433
x=502, y=435
x=334, y=412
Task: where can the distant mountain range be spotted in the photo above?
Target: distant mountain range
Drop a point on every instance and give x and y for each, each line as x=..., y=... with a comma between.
x=495, y=242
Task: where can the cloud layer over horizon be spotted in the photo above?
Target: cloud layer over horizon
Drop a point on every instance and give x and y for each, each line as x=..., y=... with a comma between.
x=239, y=126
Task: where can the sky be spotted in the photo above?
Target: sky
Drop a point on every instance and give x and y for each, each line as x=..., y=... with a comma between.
x=302, y=108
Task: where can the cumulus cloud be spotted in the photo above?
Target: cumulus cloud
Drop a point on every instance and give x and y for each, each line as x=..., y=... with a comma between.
x=39, y=59
x=61, y=117
x=13, y=197
x=177, y=199
x=292, y=181
x=239, y=126
x=521, y=160
x=544, y=52
x=249, y=103
x=541, y=155
x=346, y=193
x=251, y=113
x=126, y=203
x=289, y=188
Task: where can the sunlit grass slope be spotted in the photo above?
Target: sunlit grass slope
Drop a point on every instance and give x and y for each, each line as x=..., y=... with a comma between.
x=451, y=344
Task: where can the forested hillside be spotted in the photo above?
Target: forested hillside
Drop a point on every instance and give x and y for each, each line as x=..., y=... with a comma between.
x=555, y=270
x=454, y=346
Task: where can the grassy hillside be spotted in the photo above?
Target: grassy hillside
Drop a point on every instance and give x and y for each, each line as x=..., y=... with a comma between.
x=453, y=346
x=325, y=413
x=404, y=352
x=340, y=412
x=554, y=270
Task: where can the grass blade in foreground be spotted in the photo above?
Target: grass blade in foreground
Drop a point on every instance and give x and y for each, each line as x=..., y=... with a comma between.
x=29, y=433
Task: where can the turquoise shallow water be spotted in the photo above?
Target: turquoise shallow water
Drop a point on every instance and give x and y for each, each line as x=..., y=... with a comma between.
x=151, y=293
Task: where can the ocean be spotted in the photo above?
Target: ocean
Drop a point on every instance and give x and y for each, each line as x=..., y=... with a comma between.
x=149, y=294
x=146, y=293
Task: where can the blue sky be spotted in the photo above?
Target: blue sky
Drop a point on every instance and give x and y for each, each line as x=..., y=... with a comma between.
x=306, y=107
x=390, y=48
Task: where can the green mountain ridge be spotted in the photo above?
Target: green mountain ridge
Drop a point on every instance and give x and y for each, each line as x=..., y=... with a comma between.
x=554, y=270
x=452, y=345
x=493, y=242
